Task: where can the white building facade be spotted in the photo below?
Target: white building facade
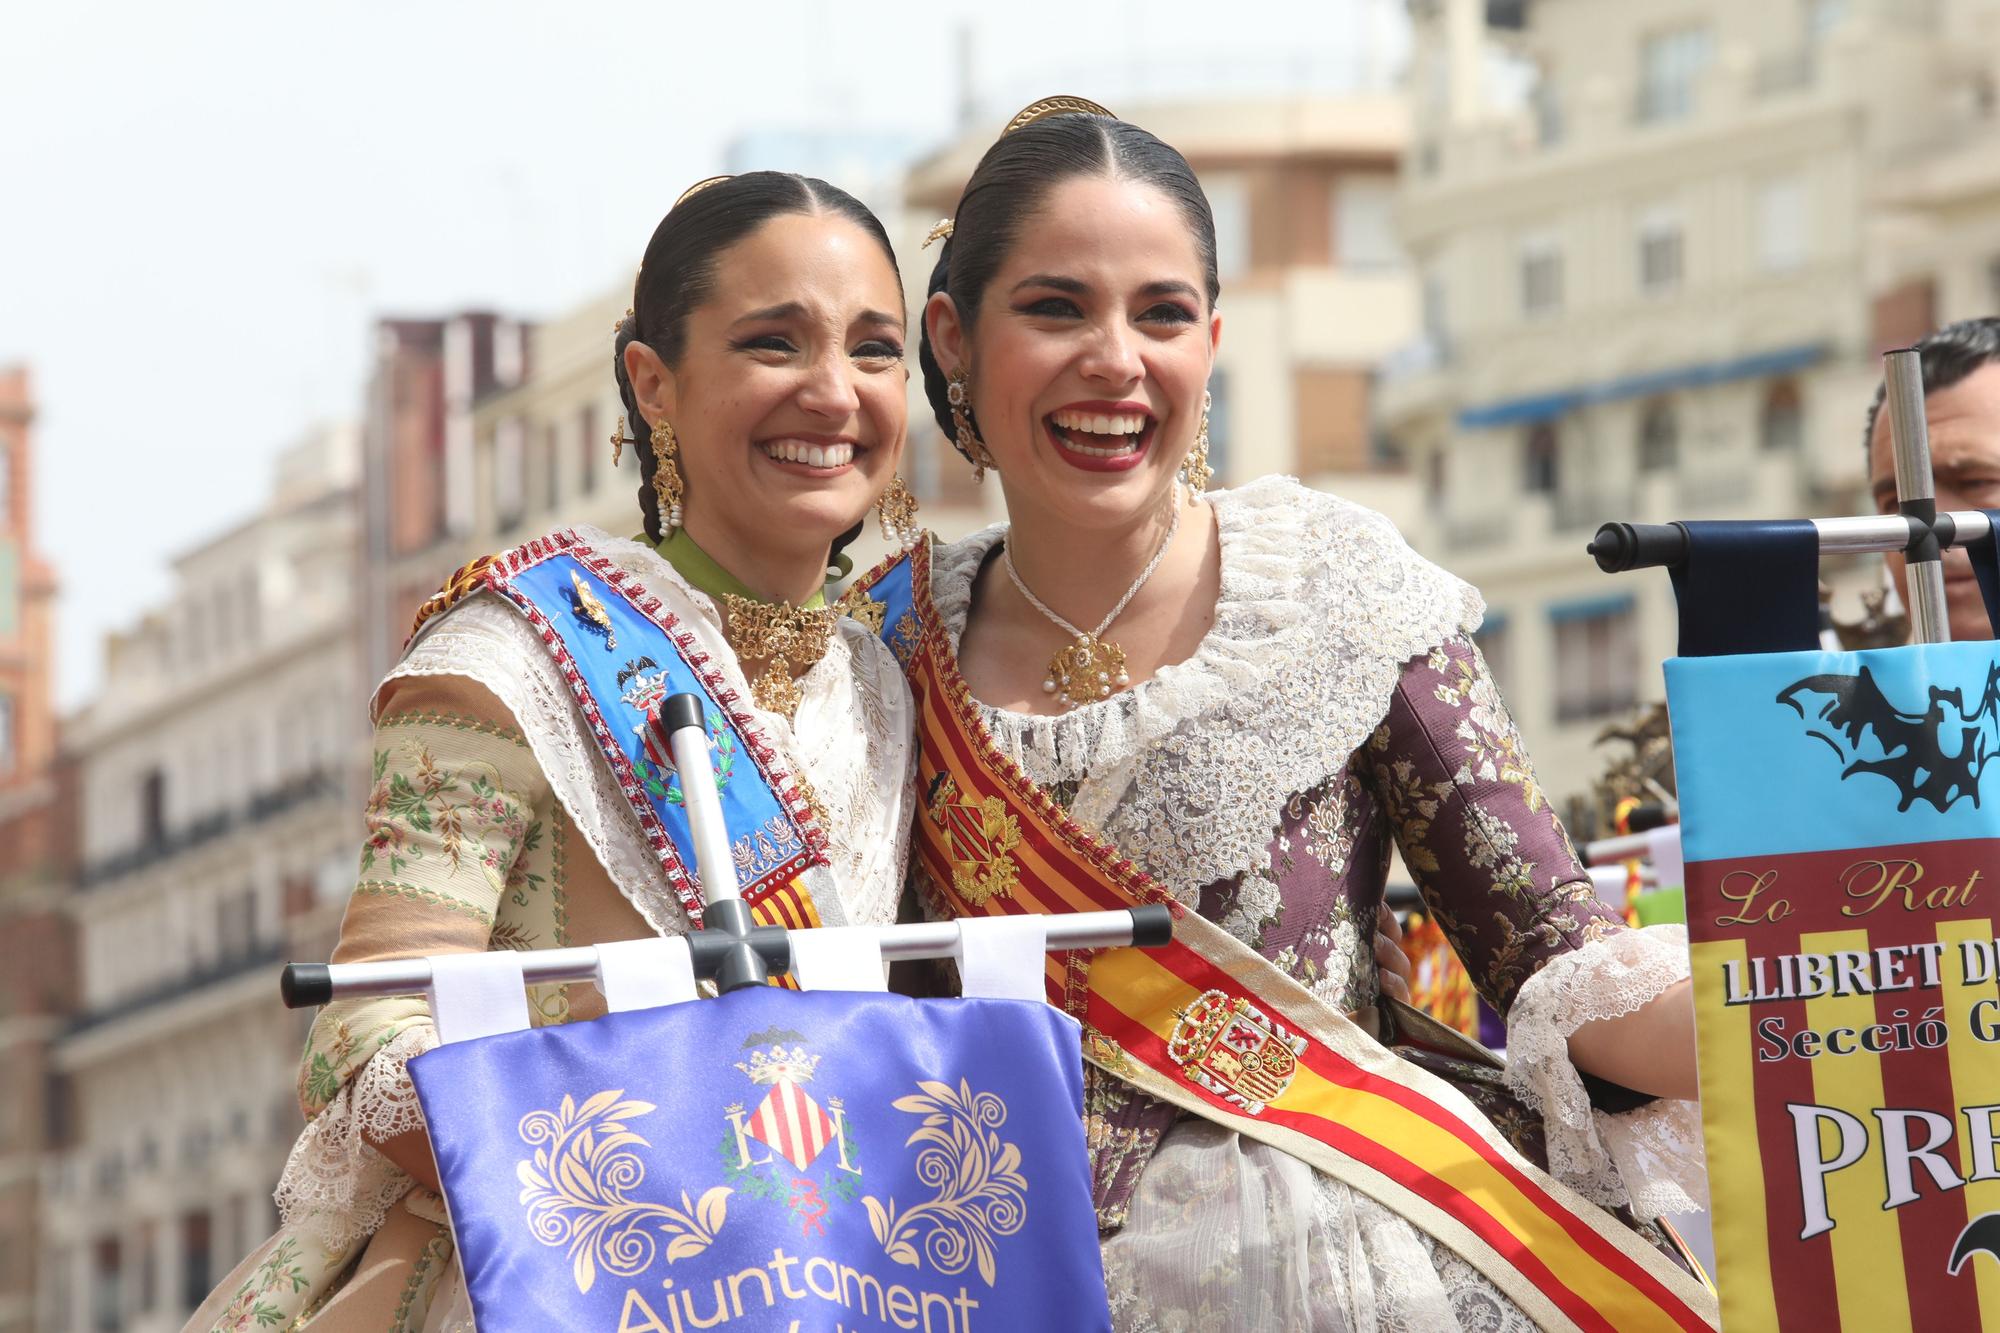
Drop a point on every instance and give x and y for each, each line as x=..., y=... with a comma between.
x=1651, y=240
x=220, y=811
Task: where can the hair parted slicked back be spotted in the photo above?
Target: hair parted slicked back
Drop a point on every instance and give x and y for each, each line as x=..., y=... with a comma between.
x=678, y=274
x=1945, y=358
x=1013, y=181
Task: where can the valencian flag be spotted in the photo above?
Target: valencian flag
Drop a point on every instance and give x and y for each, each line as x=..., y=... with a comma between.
x=772, y=1160
x=1841, y=824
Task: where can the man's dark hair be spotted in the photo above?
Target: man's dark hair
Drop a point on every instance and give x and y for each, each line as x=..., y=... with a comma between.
x=1947, y=356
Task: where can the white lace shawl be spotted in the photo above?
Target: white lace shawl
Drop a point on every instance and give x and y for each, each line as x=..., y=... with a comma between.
x=852, y=738
x=1321, y=607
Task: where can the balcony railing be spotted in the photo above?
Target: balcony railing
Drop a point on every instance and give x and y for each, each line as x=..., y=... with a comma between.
x=261, y=958
x=264, y=805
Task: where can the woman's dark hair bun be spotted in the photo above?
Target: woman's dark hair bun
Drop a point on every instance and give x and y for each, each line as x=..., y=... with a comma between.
x=1013, y=181
x=679, y=271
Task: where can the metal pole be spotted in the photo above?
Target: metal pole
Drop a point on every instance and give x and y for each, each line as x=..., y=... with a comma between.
x=307, y=984
x=1916, y=492
x=730, y=946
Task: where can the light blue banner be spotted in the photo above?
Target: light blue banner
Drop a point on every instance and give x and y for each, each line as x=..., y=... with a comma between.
x=1817, y=751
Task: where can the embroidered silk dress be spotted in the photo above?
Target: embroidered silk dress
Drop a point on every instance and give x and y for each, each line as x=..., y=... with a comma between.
x=495, y=823
x=1338, y=705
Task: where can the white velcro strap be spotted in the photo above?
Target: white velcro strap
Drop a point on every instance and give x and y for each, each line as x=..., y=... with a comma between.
x=644, y=974
x=1003, y=957
x=849, y=958
x=1663, y=845
x=478, y=994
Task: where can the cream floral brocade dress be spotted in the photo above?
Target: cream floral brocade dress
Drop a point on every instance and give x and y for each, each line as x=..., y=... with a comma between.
x=1338, y=703
x=495, y=823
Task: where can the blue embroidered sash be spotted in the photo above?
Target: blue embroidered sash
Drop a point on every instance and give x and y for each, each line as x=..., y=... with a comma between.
x=622, y=652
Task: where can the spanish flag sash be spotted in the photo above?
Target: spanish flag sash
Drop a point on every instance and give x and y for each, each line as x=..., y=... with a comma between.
x=1211, y=1026
x=622, y=652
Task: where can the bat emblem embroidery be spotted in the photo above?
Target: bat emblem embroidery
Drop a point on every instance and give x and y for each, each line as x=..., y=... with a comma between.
x=1937, y=755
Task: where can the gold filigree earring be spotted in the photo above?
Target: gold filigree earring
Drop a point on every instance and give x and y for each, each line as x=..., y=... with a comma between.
x=1195, y=471
x=667, y=475
x=959, y=395
x=897, y=512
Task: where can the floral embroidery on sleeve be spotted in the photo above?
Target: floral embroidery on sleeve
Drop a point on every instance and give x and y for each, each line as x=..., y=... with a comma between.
x=464, y=810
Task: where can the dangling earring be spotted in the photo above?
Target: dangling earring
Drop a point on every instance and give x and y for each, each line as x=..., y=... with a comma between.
x=959, y=395
x=897, y=511
x=667, y=475
x=618, y=442
x=1195, y=471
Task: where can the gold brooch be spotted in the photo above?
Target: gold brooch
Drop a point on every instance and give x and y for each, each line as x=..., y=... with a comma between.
x=781, y=636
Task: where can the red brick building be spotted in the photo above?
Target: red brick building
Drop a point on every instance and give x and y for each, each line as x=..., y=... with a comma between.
x=37, y=984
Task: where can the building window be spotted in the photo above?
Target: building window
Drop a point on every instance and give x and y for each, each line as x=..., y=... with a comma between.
x=196, y=1270
x=1541, y=277
x=149, y=1268
x=1781, y=424
x=1364, y=223
x=1659, y=438
x=1781, y=224
x=551, y=466
x=510, y=470
x=1218, y=425
x=1597, y=658
x=153, y=808
x=1546, y=107
x=588, y=446
x=1435, y=474
x=1671, y=65
x=107, y=1283
x=1434, y=314
x=1540, y=473
x=1229, y=205
x=1491, y=640
x=1659, y=252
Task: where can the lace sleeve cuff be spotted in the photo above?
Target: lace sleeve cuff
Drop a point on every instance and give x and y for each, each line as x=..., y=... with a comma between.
x=336, y=1186
x=1651, y=1158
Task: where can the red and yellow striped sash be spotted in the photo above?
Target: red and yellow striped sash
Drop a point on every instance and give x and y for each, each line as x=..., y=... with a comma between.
x=1212, y=1026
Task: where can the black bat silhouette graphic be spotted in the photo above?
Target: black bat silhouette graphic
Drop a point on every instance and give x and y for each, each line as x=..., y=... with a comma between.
x=1937, y=755
x=1981, y=1233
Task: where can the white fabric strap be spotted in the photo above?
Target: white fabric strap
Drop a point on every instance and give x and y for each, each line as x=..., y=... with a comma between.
x=1002, y=957
x=478, y=994
x=845, y=959
x=644, y=974
x=1663, y=847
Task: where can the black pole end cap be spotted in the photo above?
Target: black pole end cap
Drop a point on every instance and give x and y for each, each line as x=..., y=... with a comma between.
x=1152, y=926
x=681, y=710
x=306, y=985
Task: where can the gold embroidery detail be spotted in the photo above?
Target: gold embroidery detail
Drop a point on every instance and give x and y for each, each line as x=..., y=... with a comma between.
x=575, y=1190
x=981, y=1196
x=464, y=581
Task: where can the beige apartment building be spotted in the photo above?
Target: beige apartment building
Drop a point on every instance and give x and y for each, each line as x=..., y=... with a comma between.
x=217, y=780
x=1661, y=244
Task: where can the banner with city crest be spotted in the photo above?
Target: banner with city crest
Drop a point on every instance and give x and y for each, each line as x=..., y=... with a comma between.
x=1841, y=825
x=772, y=1160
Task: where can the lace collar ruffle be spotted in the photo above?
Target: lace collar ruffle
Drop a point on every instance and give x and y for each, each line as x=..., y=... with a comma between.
x=1321, y=604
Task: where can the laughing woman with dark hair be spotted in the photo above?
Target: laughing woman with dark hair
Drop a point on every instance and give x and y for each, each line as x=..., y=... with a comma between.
x=1235, y=702
x=521, y=796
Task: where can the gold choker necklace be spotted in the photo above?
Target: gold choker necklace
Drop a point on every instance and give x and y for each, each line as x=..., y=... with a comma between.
x=779, y=635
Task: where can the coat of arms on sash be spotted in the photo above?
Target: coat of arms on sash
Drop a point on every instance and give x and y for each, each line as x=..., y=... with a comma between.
x=771, y=1149
x=644, y=688
x=981, y=840
x=1235, y=1050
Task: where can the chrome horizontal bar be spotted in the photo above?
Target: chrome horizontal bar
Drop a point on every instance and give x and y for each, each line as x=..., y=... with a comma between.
x=307, y=984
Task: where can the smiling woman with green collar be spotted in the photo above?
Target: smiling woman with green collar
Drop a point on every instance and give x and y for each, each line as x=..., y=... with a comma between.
x=523, y=797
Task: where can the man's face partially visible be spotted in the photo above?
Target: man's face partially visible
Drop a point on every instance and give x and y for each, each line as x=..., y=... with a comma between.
x=1964, y=425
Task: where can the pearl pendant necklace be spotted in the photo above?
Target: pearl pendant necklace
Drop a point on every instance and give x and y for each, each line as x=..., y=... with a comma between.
x=1090, y=667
